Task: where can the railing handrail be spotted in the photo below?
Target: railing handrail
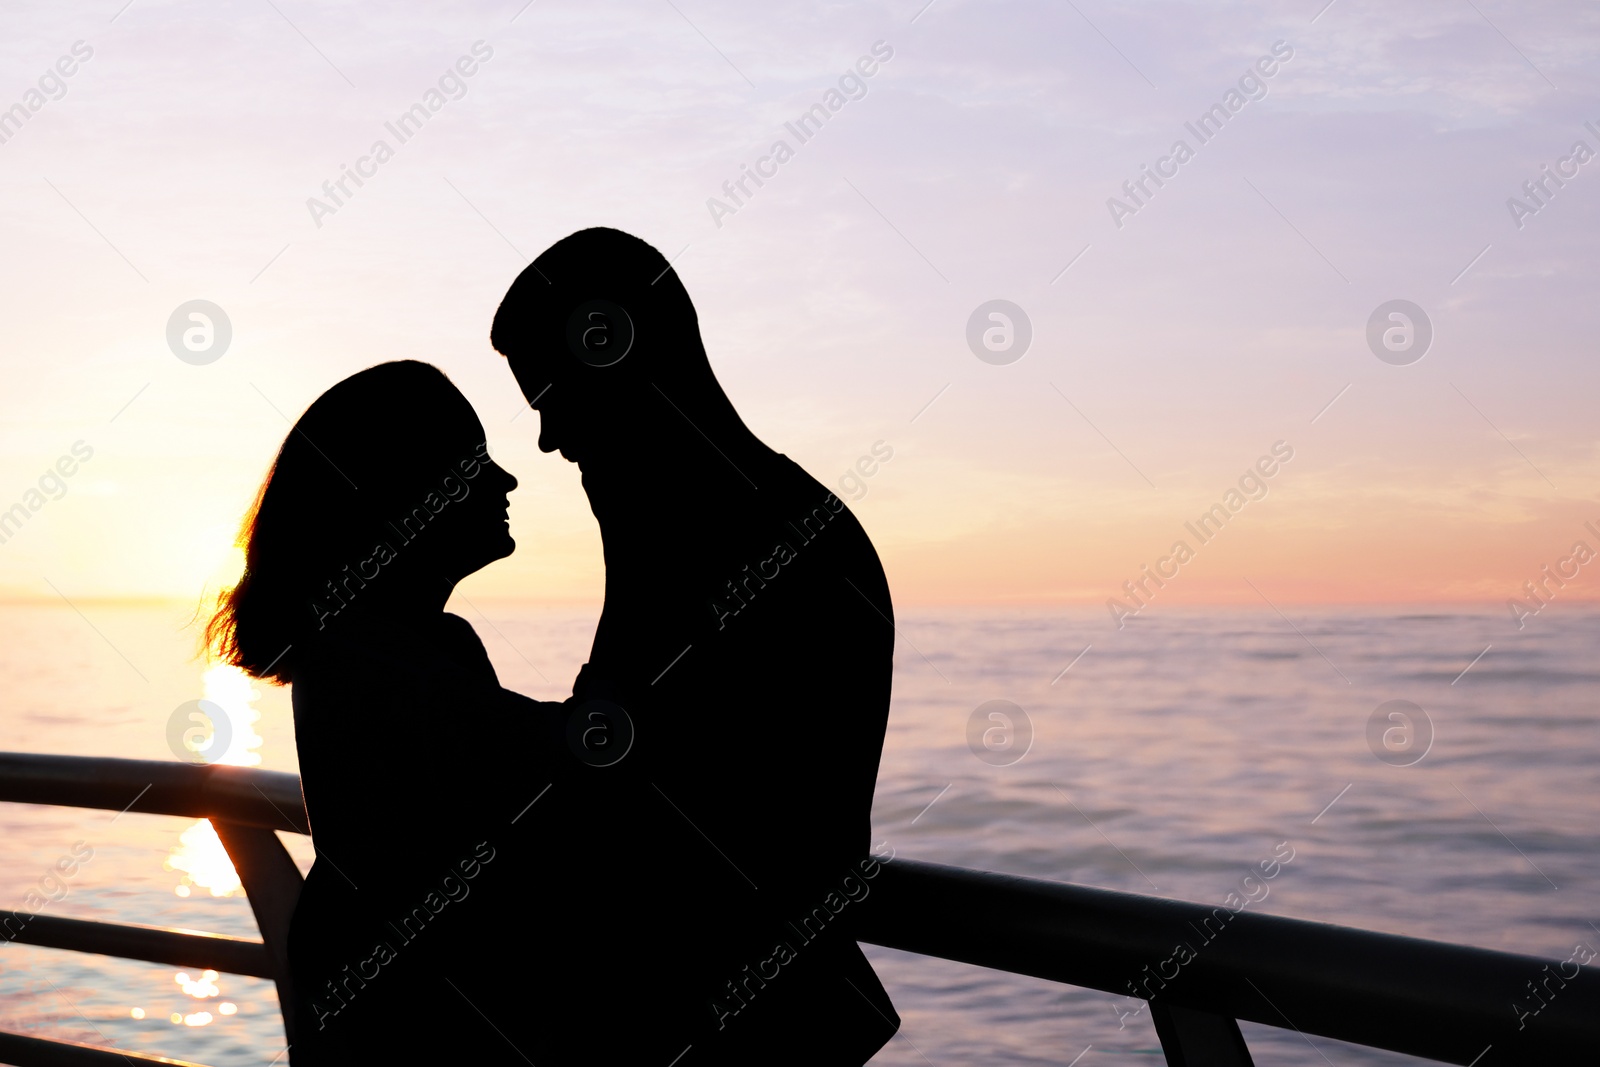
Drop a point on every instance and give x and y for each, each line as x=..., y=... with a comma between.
x=1433, y=999
x=1441, y=1001
x=244, y=795
x=245, y=806
x=152, y=944
x=45, y=1052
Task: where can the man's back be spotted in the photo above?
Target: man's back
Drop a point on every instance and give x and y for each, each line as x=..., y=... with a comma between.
x=755, y=657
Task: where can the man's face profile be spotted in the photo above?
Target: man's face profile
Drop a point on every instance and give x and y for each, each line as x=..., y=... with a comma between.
x=577, y=346
x=534, y=377
x=568, y=412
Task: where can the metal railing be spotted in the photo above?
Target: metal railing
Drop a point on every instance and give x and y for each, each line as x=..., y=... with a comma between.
x=244, y=805
x=1439, y=1001
x=1431, y=999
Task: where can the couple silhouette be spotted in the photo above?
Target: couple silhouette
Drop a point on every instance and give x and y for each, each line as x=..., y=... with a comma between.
x=662, y=869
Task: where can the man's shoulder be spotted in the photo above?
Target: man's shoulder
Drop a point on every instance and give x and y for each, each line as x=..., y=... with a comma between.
x=815, y=532
x=796, y=496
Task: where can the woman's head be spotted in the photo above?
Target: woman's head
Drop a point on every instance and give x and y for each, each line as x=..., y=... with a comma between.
x=382, y=494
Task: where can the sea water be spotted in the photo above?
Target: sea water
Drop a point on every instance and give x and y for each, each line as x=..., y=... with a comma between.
x=1173, y=756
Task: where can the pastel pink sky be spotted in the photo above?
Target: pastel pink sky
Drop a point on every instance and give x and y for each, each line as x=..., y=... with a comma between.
x=1185, y=339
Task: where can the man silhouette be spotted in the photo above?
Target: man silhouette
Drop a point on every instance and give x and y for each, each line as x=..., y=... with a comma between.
x=747, y=638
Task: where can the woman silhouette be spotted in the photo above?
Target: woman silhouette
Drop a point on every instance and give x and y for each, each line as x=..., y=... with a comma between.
x=381, y=499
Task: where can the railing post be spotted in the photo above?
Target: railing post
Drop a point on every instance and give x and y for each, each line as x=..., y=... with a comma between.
x=273, y=883
x=1192, y=1038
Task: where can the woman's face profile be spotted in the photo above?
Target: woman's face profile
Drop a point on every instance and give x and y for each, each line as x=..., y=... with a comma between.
x=472, y=526
x=383, y=496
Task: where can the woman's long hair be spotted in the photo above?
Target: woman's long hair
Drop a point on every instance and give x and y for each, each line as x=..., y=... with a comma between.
x=361, y=455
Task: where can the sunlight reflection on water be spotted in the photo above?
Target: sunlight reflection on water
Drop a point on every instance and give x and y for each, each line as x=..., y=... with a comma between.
x=199, y=853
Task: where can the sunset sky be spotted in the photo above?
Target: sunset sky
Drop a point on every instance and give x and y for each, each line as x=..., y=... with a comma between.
x=1175, y=339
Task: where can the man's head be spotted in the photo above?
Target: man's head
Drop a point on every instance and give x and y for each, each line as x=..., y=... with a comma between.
x=597, y=331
